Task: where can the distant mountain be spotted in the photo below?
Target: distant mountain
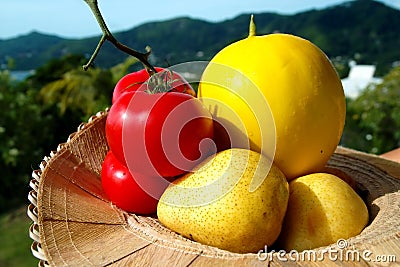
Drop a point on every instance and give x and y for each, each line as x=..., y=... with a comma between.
x=364, y=30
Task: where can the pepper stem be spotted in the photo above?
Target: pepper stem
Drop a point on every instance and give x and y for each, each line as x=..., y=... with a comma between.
x=252, y=27
x=107, y=36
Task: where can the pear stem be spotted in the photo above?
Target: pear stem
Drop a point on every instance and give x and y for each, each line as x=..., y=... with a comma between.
x=107, y=36
x=252, y=27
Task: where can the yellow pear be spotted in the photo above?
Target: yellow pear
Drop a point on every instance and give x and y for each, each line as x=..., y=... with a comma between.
x=235, y=200
x=322, y=209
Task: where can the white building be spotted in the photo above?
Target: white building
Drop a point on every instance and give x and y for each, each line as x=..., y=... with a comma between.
x=360, y=76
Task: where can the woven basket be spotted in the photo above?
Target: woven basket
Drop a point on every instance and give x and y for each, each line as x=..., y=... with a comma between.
x=74, y=224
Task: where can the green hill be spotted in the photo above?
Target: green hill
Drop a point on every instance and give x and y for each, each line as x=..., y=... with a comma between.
x=364, y=30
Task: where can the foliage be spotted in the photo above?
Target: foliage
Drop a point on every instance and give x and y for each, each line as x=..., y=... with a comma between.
x=22, y=128
x=40, y=113
x=80, y=91
x=27, y=50
x=366, y=31
x=83, y=92
x=373, y=118
x=54, y=69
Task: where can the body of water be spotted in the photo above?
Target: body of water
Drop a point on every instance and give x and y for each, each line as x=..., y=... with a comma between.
x=21, y=75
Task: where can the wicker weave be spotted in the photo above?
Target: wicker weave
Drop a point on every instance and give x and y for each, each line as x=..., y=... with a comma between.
x=74, y=224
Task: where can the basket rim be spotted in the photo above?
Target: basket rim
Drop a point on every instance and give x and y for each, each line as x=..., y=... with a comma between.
x=385, y=166
x=32, y=209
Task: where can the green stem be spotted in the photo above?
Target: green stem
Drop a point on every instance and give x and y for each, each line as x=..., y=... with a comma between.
x=99, y=45
x=252, y=27
x=107, y=35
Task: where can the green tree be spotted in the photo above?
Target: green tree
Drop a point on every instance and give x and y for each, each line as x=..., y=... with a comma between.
x=373, y=118
x=54, y=70
x=42, y=111
x=84, y=92
x=23, y=129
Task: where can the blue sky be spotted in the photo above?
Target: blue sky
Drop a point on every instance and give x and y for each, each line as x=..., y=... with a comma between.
x=73, y=18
